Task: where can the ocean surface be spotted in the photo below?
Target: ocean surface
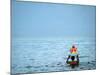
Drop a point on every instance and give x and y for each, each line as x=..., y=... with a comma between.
x=34, y=55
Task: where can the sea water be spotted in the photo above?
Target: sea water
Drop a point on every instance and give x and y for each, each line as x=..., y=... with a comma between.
x=33, y=55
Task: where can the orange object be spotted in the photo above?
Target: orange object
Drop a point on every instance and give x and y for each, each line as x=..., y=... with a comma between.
x=73, y=50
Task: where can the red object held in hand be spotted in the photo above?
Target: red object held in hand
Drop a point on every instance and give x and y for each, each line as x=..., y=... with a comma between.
x=73, y=63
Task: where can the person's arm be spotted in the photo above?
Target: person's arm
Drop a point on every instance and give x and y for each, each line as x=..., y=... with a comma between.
x=68, y=59
x=78, y=59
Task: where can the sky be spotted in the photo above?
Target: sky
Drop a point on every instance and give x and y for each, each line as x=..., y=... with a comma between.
x=36, y=19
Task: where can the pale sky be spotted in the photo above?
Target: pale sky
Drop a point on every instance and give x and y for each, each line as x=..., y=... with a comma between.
x=31, y=19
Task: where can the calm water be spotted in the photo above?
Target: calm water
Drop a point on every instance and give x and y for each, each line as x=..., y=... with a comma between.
x=45, y=55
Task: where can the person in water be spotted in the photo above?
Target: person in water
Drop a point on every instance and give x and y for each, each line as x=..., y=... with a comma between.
x=73, y=54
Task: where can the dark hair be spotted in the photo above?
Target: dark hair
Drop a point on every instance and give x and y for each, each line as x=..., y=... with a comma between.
x=73, y=46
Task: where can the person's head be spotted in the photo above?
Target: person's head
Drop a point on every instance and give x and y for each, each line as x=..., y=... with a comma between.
x=73, y=46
